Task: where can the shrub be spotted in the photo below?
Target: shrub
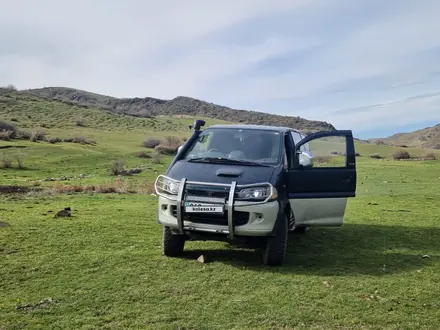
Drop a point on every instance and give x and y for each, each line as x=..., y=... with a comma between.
x=401, y=154
x=155, y=158
x=430, y=156
x=19, y=158
x=22, y=134
x=7, y=127
x=6, y=162
x=5, y=135
x=38, y=136
x=80, y=122
x=151, y=142
x=117, y=167
x=54, y=139
x=357, y=154
x=143, y=154
x=80, y=140
x=83, y=140
x=376, y=156
x=173, y=141
x=322, y=159
x=403, y=146
x=166, y=150
x=380, y=142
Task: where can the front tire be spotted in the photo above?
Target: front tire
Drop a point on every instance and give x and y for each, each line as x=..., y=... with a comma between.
x=172, y=245
x=301, y=230
x=276, y=246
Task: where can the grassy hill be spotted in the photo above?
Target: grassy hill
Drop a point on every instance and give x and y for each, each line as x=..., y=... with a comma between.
x=428, y=137
x=152, y=107
x=103, y=269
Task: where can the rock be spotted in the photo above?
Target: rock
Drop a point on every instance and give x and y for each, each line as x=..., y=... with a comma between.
x=63, y=213
x=202, y=259
x=4, y=224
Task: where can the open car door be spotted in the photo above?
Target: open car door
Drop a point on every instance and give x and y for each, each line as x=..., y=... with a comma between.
x=320, y=178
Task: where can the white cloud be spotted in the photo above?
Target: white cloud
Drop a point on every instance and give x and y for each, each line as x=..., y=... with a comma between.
x=372, y=52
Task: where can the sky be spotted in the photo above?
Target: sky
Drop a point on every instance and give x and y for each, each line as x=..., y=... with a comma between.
x=371, y=66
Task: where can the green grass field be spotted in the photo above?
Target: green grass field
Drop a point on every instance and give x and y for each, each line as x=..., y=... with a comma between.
x=103, y=269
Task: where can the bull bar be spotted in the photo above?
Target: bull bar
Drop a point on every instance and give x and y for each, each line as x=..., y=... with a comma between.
x=229, y=206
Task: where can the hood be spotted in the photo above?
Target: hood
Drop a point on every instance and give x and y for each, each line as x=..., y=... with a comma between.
x=220, y=173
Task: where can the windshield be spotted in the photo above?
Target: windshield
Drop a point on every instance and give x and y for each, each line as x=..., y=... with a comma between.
x=245, y=145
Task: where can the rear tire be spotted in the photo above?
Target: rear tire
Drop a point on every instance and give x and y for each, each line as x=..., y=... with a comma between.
x=276, y=246
x=172, y=245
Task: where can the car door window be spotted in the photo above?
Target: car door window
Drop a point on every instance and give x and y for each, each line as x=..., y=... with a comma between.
x=329, y=151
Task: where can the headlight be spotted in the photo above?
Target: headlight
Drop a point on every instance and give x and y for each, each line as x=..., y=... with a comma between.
x=166, y=186
x=256, y=193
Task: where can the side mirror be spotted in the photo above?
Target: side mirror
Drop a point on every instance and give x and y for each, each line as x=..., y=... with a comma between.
x=178, y=149
x=305, y=158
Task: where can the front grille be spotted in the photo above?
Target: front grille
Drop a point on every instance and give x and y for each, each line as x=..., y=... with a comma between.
x=207, y=191
x=239, y=218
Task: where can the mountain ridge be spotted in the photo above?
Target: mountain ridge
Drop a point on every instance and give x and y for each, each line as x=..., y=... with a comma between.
x=428, y=137
x=180, y=105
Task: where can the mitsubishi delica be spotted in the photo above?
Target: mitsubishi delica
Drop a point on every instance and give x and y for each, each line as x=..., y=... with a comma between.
x=254, y=184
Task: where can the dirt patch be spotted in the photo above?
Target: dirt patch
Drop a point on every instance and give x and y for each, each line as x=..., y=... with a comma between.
x=8, y=147
x=9, y=189
x=45, y=303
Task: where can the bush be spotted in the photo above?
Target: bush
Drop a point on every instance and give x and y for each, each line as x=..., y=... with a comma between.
x=19, y=158
x=38, y=136
x=357, y=154
x=401, y=154
x=166, y=150
x=117, y=167
x=380, y=142
x=173, y=141
x=6, y=162
x=143, y=154
x=323, y=159
x=376, y=156
x=155, y=158
x=80, y=122
x=151, y=142
x=54, y=139
x=7, y=127
x=22, y=134
x=430, y=156
x=80, y=140
x=5, y=135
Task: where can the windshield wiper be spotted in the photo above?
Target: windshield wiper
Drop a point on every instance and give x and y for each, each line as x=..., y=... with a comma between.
x=223, y=160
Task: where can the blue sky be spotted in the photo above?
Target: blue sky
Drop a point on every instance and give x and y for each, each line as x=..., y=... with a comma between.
x=367, y=65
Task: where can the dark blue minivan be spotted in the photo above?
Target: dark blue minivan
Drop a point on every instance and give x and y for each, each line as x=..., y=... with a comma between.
x=254, y=184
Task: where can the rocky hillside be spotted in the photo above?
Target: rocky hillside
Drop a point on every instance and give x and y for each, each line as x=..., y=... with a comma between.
x=425, y=138
x=151, y=107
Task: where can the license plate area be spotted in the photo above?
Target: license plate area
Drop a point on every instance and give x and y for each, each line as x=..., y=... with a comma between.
x=197, y=207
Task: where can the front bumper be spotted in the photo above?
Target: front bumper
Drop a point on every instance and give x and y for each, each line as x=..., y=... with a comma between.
x=241, y=218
